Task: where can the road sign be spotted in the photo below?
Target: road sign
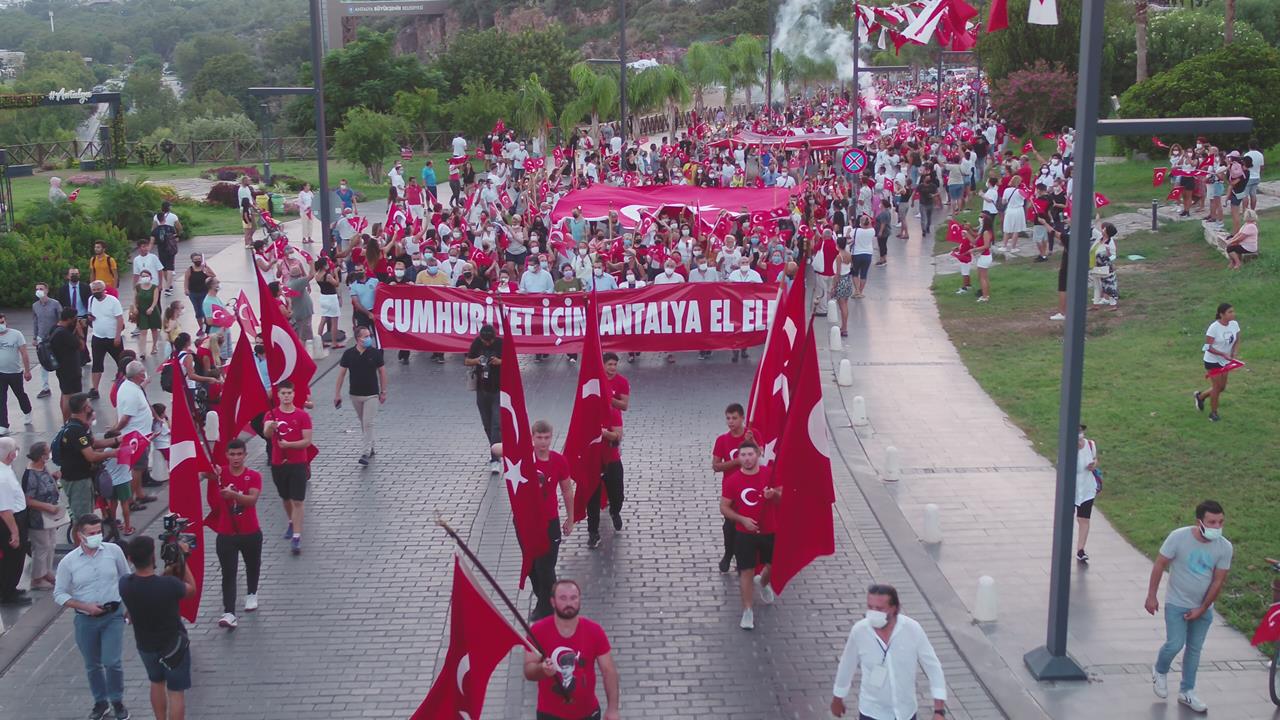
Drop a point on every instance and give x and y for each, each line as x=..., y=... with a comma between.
x=855, y=161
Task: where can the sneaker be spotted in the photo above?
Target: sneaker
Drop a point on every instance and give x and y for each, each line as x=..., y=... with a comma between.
x=962, y=291
x=983, y=298
x=1199, y=401
x=44, y=393
x=724, y=563
x=121, y=712
x=573, y=361
x=593, y=542
x=135, y=333
x=288, y=533
x=364, y=460
x=1213, y=417
x=295, y=546
x=1159, y=683
x=250, y=602
x=1189, y=699
x=748, y=621
x=228, y=621
x=26, y=419
x=495, y=466
x=93, y=394
x=1057, y=316
x=617, y=522
x=4, y=430
x=766, y=593
x=99, y=711
x=1082, y=556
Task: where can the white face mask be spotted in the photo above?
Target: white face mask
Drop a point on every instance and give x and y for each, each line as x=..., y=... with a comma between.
x=702, y=266
x=145, y=282
x=40, y=294
x=877, y=618
x=93, y=541
x=1210, y=533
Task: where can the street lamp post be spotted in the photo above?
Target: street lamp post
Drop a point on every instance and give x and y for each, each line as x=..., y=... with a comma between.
x=622, y=74
x=1050, y=661
x=322, y=132
x=266, y=143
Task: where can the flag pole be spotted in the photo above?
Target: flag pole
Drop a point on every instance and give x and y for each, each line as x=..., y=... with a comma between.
x=484, y=571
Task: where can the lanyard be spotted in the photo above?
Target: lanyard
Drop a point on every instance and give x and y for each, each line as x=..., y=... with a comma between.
x=884, y=648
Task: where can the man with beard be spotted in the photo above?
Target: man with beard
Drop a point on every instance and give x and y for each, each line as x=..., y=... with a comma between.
x=566, y=676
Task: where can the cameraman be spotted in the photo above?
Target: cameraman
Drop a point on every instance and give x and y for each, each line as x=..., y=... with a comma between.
x=233, y=514
x=485, y=356
x=152, y=603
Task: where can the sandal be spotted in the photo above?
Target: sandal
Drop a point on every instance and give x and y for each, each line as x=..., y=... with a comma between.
x=128, y=530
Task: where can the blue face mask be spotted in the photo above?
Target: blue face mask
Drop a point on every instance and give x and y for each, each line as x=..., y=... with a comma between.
x=367, y=342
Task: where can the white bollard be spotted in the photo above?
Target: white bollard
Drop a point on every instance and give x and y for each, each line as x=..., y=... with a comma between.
x=932, y=530
x=212, y=430
x=985, y=605
x=859, y=414
x=316, y=349
x=833, y=312
x=892, y=464
x=837, y=343
x=845, y=375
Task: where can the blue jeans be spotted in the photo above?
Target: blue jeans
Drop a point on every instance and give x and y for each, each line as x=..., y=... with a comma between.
x=101, y=643
x=197, y=302
x=1179, y=632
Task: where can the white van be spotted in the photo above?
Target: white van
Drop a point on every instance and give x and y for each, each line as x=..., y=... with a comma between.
x=894, y=114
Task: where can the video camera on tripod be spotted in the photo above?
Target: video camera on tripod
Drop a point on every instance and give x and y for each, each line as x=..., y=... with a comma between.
x=173, y=538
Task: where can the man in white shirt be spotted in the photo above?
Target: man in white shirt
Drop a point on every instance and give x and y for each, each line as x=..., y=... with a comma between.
x=744, y=273
x=459, y=146
x=536, y=279
x=244, y=192
x=784, y=180
x=106, y=332
x=453, y=266
x=396, y=173
x=599, y=279
x=668, y=276
x=13, y=527
x=134, y=411
x=518, y=156
x=146, y=260
x=888, y=646
x=15, y=369
x=1255, y=174
x=702, y=272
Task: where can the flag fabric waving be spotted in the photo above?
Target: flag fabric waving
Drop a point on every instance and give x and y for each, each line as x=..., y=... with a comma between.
x=133, y=446
x=1158, y=175
x=1042, y=12
x=220, y=317
x=241, y=401
x=287, y=357
x=244, y=313
x=583, y=445
x=527, y=509
x=480, y=638
x=770, y=395
x=188, y=458
x=805, y=528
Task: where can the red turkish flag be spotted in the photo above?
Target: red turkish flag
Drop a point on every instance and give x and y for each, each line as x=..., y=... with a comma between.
x=583, y=445
x=955, y=232
x=534, y=164
x=1269, y=629
x=74, y=194
x=219, y=316
x=1158, y=142
x=770, y=398
x=1158, y=175
x=132, y=446
x=287, y=357
x=1050, y=136
x=188, y=458
x=480, y=638
x=244, y=313
x=824, y=259
x=1028, y=147
x=527, y=509
x=1175, y=194
x=241, y=401
x=1100, y=200
x=888, y=184
x=805, y=530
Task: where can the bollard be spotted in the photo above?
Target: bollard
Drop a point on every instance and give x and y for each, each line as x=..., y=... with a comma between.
x=892, y=463
x=984, y=605
x=317, y=350
x=1155, y=222
x=859, y=413
x=837, y=344
x=845, y=375
x=932, y=530
x=211, y=427
x=833, y=312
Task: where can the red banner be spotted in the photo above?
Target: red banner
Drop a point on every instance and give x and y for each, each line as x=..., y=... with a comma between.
x=657, y=318
x=707, y=203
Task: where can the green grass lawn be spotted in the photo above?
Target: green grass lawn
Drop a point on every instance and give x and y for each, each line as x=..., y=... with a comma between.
x=1142, y=363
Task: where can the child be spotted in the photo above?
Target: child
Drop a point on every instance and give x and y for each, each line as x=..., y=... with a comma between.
x=160, y=432
x=121, y=493
x=172, y=325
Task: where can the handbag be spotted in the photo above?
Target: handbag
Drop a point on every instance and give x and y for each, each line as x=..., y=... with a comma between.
x=53, y=521
x=1100, y=271
x=102, y=481
x=176, y=656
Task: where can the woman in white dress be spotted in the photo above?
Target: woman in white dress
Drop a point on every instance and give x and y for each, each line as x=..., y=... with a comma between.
x=1015, y=214
x=305, y=200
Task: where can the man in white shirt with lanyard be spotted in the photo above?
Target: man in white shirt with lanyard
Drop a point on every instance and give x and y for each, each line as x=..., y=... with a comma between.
x=888, y=645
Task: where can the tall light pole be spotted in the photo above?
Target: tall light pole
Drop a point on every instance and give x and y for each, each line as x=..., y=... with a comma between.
x=857, y=90
x=622, y=72
x=322, y=132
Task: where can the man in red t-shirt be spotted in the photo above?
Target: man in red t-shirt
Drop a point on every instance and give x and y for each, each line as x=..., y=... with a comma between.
x=233, y=492
x=747, y=500
x=566, y=676
x=289, y=430
x=552, y=471
x=724, y=460
x=610, y=479
x=618, y=382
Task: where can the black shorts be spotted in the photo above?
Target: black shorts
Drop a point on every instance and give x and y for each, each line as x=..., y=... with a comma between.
x=1085, y=509
x=1062, y=273
x=751, y=549
x=1239, y=250
x=1187, y=182
x=100, y=349
x=1210, y=367
x=166, y=259
x=291, y=480
x=70, y=380
x=861, y=264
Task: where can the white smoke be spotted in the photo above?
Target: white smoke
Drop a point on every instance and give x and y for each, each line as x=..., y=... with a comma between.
x=802, y=32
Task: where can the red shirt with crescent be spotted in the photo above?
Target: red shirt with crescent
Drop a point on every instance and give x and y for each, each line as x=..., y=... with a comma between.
x=570, y=697
x=220, y=518
x=747, y=495
x=726, y=448
x=291, y=425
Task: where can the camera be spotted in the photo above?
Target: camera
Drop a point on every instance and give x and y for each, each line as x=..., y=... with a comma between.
x=171, y=553
x=484, y=368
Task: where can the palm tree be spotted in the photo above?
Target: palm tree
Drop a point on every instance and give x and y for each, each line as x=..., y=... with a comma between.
x=1229, y=28
x=784, y=72
x=748, y=61
x=1140, y=8
x=702, y=68
x=663, y=87
x=533, y=109
x=809, y=71
x=597, y=96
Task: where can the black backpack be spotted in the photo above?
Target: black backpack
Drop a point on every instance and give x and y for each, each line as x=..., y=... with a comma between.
x=166, y=373
x=166, y=236
x=44, y=355
x=55, y=447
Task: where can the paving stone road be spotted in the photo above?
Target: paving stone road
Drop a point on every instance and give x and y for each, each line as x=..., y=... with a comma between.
x=356, y=626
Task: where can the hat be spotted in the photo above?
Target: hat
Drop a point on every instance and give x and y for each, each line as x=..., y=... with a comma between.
x=1234, y=153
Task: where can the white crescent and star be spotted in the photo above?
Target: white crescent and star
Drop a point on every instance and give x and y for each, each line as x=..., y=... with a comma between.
x=817, y=427
x=513, y=474
x=504, y=401
x=591, y=387
x=282, y=342
x=181, y=452
x=746, y=497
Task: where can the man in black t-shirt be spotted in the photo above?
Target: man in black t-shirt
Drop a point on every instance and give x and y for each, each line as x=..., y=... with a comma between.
x=485, y=356
x=65, y=345
x=78, y=452
x=368, y=383
x=151, y=601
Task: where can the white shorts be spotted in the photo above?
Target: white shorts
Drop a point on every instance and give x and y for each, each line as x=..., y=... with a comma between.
x=416, y=212
x=329, y=306
x=965, y=269
x=984, y=261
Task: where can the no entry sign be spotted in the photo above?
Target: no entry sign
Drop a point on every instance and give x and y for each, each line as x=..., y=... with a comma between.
x=855, y=161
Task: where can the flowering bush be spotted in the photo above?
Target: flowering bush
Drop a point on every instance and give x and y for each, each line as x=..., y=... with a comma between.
x=83, y=180
x=1037, y=98
x=224, y=194
x=231, y=173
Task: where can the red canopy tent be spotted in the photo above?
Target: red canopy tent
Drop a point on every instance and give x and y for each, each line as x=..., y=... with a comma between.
x=706, y=203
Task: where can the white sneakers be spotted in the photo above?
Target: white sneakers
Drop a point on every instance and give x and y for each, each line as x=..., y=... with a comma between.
x=1190, y=700
x=766, y=593
x=26, y=420
x=250, y=602
x=1057, y=316
x=228, y=621
x=748, y=621
x=1160, y=683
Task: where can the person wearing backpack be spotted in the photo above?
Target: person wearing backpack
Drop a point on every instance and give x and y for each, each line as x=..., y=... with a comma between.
x=165, y=229
x=65, y=346
x=76, y=451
